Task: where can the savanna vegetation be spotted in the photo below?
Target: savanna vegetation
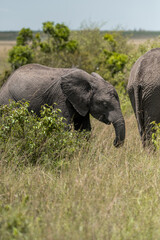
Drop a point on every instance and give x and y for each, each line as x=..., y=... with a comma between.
x=58, y=184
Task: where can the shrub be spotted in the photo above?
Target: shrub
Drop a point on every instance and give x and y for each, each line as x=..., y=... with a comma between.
x=112, y=42
x=58, y=38
x=113, y=60
x=53, y=47
x=59, y=32
x=20, y=55
x=25, y=36
x=156, y=135
x=116, y=62
x=32, y=139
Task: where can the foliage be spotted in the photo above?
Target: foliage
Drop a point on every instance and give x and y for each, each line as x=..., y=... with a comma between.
x=35, y=139
x=59, y=32
x=111, y=40
x=58, y=37
x=25, y=36
x=156, y=135
x=113, y=59
x=31, y=48
x=20, y=55
x=90, y=44
x=57, y=49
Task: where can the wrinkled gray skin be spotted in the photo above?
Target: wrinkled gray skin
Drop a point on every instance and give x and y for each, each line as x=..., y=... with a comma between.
x=144, y=92
x=76, y=93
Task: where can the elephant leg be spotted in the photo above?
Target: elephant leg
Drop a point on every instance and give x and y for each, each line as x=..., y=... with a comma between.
x=150, y=114
x=81, y=123
x=147, y=135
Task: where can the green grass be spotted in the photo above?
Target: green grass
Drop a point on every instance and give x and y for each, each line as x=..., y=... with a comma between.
x=104, y=193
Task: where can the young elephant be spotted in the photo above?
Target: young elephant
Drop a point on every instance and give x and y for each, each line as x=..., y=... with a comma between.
x=75, y=92
x=144, y=92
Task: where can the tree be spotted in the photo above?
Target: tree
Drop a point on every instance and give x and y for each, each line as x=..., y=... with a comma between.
x=58, y=38
x=112, y=60
x=20, y=55
x=32, y=48
x=24, y=37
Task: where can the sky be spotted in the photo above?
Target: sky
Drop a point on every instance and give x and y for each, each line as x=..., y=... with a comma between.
x=77, y=14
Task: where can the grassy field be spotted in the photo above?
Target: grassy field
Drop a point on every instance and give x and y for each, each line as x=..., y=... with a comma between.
x=102, y=193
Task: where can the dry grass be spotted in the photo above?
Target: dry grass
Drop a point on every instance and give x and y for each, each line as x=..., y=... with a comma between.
x=104, y=193
x=138, y=41
x=5, y=46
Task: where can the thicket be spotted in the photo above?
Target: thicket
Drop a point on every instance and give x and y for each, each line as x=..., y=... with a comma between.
x=28, y=139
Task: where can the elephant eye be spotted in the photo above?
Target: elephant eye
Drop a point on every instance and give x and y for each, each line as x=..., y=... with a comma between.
x=105, y=104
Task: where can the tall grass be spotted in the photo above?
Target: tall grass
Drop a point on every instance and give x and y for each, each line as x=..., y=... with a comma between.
x=5, y=46
x=104, y=193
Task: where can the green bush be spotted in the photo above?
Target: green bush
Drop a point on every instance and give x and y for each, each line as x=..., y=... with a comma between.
x=32, y=139
x=156, y=135
x=49, y=48
x=112, y=60
x=23, y=52
x=25, y=36
x=116, y=62
x=20, y=55
x=112, y=42
x=58, y=37
x=58, y=32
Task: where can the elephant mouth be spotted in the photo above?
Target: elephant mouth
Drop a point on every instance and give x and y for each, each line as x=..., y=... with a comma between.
x=107, y=122
x=102, y=118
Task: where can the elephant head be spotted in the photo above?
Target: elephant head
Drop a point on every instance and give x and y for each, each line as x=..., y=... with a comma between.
x=90, y=93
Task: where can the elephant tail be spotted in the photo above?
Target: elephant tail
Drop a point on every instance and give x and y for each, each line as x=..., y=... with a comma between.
x=139, y=109
x=135, y=94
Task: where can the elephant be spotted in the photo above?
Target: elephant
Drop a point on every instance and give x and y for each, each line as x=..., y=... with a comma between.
x=75, y=92
x=144, y=93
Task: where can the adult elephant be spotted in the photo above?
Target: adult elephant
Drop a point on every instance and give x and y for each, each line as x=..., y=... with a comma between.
x=74, y=91
x=144, y=92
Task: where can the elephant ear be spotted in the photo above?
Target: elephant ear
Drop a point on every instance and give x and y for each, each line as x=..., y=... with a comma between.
x=77, y=88
x=96, y=75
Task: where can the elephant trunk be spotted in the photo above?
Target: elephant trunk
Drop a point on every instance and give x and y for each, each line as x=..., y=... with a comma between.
x=119, y=127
